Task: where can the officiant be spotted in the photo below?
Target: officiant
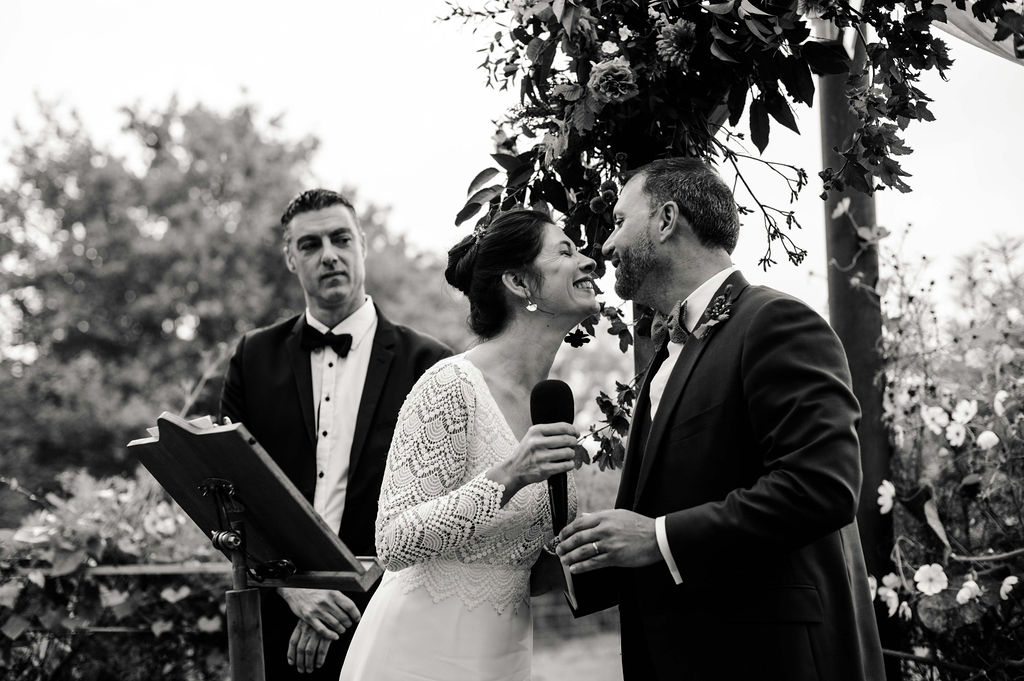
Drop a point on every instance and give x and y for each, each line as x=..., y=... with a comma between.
x=320, y=391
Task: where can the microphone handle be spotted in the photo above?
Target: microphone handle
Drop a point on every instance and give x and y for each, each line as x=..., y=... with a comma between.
x=558, y=498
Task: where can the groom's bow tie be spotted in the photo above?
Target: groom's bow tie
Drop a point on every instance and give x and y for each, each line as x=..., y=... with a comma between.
x=313, y=339
x=670, y=327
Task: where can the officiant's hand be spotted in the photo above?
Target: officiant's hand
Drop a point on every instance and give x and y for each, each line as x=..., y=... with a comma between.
x=606, y=538
x=307, y=650
x=329, y=613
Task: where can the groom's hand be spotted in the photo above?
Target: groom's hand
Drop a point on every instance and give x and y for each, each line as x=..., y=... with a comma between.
x=608, y=538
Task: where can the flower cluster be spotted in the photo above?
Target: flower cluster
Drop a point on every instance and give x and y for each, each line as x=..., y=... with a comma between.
x=612, y=81
x=719, y=311
x=954, y=403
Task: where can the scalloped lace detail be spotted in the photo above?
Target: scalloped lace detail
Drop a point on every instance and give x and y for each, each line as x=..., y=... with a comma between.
x=440, y=524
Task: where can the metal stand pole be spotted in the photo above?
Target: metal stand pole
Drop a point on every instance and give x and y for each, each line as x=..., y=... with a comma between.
x=245, y=626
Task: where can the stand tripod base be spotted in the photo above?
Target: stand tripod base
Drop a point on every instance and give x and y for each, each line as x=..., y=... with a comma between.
x=245, y=635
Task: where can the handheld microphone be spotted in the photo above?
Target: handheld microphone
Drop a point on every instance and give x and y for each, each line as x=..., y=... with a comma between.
x=551, y=402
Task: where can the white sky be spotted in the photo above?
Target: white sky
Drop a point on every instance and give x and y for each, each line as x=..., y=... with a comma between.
x=403, y=114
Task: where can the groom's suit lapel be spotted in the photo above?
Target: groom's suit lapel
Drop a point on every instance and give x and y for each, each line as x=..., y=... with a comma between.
x=303, y=373
x=638, y=430
x=688, y=358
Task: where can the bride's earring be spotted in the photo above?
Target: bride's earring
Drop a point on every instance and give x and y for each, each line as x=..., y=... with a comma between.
x=530, y=305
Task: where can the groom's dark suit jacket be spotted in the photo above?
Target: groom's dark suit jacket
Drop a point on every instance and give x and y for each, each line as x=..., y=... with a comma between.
x=269, y=388
x=754, y=460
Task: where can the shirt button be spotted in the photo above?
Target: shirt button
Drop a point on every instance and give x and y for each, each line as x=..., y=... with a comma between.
x=325, y=433
x=330, y=364
x=321, y=474
x=327, y=398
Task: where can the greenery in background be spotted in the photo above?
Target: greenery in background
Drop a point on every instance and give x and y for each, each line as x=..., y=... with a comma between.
x=955, y=407
x=128, y=277
x=66, y=625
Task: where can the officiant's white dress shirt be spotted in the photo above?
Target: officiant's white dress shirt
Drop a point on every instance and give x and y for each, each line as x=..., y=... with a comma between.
x=337, y=389
x=696, y=303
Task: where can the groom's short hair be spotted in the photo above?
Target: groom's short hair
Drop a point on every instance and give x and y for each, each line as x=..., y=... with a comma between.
x=702, y=196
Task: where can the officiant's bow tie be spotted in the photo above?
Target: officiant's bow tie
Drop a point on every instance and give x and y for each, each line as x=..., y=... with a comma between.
x=670, y=327
x=313, y=340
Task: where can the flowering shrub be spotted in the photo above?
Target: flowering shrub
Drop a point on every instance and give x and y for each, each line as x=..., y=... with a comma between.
x=955, y=406
x=58, y=622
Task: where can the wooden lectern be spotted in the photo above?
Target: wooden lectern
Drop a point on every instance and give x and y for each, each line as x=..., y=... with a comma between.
x=237, y=495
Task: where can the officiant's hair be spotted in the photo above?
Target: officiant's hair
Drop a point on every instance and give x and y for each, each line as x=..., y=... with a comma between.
x=511, y=241
x=704, y=199
x=314, y=199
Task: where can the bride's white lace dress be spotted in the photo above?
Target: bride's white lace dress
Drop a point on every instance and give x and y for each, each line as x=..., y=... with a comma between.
x=454, y=600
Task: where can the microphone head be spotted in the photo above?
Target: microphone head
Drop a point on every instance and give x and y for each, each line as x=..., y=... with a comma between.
x=551, y=402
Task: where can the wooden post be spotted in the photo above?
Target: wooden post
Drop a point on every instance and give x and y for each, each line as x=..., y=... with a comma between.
x=245, y=625
x=856, y=315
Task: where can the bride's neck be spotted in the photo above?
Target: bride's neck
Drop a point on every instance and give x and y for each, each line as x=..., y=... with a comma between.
x=517, y=358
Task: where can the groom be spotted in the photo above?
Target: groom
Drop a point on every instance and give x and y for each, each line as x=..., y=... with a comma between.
x=733, y=545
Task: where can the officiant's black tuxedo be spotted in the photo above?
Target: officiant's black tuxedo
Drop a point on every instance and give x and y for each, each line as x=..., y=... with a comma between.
x=269, y=388
x=754, y=460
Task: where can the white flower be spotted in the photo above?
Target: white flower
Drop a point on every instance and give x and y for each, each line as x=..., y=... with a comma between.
x=935, y=418
x=988, y=440
x=1007, y=586
x=976, y=358
x=1005, y=354
x=899, y=438
x=36, y=534
x=209, y=624
x=931, y=579
x=891, y=581
x=965, y=411
x=609, y=48
x=904, y=611
x=872, y=586
x=625, y=34
x=890, y=598
x=999, y=402
x=174, y=595
x=886, y=494
x=968, y=591
x=955, y=433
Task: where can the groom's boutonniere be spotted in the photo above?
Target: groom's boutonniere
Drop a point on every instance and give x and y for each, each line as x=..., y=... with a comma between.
x=717, y=312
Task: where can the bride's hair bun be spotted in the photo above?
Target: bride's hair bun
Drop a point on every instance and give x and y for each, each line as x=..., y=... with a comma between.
x=461, y=260
x=511, y=242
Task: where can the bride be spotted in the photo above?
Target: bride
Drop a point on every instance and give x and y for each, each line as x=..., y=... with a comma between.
x=464, y=510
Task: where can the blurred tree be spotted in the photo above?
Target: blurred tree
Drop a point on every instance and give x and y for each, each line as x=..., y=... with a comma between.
x=125, y=279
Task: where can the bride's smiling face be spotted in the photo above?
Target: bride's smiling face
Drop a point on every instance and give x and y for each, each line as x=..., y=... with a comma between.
x=566, y=277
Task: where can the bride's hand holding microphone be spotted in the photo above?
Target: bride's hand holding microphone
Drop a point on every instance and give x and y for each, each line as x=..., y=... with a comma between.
x=547, y=449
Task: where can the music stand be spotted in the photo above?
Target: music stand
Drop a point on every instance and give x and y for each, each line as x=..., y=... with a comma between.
x=231, y=488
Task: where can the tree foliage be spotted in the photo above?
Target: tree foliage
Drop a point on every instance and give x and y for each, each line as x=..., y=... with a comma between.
x=127, y=278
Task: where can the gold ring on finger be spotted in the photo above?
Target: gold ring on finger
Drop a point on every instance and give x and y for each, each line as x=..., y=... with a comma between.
x=597, y=551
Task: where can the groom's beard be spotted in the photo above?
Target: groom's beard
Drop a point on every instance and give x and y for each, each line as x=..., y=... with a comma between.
x=637, y=265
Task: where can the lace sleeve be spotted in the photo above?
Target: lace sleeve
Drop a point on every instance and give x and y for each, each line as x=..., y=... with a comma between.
x=427, y=506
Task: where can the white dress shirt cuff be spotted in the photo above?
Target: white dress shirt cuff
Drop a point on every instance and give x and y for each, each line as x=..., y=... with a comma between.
x=666, y=552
